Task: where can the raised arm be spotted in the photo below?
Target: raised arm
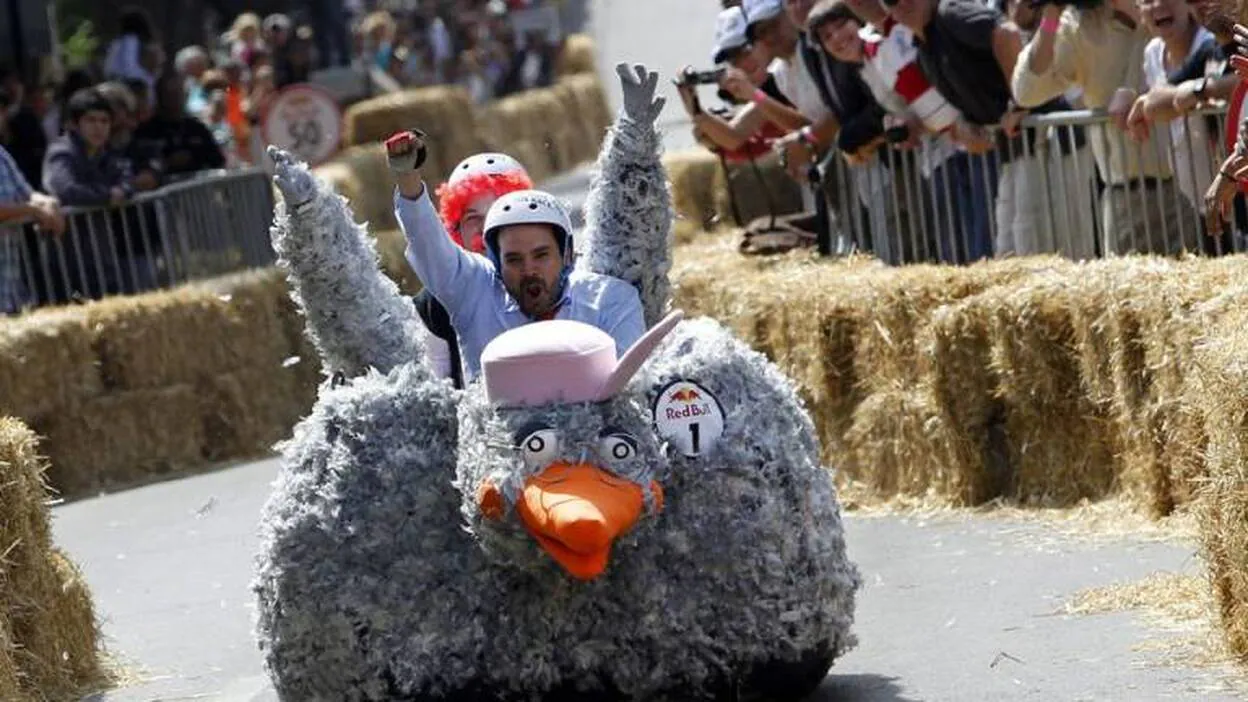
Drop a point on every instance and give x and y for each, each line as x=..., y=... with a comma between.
x=452, y=274
x=628, y=214
x=355, y=315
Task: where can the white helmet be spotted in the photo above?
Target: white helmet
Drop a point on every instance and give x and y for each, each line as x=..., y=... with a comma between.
x=527, y=207
x=487, y=163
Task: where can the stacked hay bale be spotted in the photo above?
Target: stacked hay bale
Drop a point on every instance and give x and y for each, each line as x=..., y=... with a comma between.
x=49, y=640
x=702, y=199
x=1219, y=382
x=577, y=56
x=152, y=385
x=445, y=113
x=1035, y=380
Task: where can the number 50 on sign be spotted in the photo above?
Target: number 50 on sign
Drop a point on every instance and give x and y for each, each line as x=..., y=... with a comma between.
x=306, y=121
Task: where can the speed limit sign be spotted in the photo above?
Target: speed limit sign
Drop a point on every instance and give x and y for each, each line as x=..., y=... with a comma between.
x=304, y=120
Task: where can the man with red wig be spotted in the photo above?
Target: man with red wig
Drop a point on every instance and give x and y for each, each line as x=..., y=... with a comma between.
x=463, y=201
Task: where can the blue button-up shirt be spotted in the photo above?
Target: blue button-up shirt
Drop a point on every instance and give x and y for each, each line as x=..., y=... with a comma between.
x=14, y=190
x=480, y=307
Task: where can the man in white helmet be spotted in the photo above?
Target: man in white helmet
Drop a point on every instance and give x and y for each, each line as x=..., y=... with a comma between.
x=463, y=201
x=526, y=274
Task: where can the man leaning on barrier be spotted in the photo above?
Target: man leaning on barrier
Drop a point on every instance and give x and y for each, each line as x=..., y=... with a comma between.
x=1098, y=45
x=19, y=203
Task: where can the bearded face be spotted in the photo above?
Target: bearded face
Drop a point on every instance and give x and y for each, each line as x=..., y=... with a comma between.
x=531, y=266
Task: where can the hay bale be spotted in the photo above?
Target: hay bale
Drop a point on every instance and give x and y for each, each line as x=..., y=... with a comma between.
x=122, y=439
x=46, y=361
x=1220, y=372
x=693, y=174
x=48, y=633
x=760, y=189
x=1059, y=443
x=956, y=371
x=577, y=56
x=896, y=447
x=158, y=340
x=362, y=176
x=593, y=111
x=446, y=113
x=247, y=411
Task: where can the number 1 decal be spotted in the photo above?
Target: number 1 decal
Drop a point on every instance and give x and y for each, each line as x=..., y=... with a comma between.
x=689, y=417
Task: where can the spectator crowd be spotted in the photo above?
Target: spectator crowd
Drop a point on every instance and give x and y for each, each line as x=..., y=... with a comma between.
x=135, y=119
x=952, y=90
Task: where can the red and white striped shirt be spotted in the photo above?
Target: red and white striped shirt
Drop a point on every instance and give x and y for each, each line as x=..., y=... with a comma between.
x=892, y=66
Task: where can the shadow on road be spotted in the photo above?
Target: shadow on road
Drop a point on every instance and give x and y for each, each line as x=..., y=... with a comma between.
x=860, y=687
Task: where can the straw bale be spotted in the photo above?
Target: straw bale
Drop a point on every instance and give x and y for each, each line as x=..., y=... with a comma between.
x=445, y=113
x=593, y=112
x=760, y=189
x=157, y=340
x=48, y=633
x=10, y=682
x=124, y=438
x=693, y=174
x=46, y=361
x=247, y=411
x=896, y=446
x=1059, y=443
x=898, y=302
x=956, y=370
x=577, y=56
x=578, y=137
x=362, y=176
x=1221, y=373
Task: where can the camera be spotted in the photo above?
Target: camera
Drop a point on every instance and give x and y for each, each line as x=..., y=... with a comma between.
x=693, y=77
x=898, y=134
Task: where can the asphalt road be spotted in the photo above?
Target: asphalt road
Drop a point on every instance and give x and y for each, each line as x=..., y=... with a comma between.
x=961, y=609
x=957, y=609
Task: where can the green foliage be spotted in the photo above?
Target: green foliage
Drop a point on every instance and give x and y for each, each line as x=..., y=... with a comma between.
x=80, y=46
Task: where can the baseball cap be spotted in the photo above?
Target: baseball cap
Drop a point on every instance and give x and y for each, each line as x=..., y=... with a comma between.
x=757, y=11
x=729, y=33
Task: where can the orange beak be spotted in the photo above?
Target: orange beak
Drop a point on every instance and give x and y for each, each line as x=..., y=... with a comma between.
x=577, y=511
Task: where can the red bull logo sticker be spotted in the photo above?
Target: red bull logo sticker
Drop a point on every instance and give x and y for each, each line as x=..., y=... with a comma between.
x=688, y=417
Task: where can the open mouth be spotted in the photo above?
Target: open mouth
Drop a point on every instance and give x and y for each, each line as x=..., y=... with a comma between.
x=1163, y=22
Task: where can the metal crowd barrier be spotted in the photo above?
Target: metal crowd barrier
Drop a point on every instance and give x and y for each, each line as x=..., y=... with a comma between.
x=1071, y=184
x=210, y=224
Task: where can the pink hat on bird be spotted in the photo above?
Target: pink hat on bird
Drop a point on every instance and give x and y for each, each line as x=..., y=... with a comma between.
x=563, y=362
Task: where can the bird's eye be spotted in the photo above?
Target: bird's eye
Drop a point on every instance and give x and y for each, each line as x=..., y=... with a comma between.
x=540, y=447
x=617, y=446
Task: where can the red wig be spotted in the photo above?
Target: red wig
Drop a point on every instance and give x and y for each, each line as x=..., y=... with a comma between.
x=454, y=199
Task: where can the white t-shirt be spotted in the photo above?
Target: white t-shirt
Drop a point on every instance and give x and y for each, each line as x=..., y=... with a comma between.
x=799, y=87
x=1191, y=143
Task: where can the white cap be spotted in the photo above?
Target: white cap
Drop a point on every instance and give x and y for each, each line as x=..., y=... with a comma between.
x=489, y=163
x=761, y=10
x=729, y=32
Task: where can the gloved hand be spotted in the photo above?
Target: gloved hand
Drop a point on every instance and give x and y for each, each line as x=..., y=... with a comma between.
x=293, y=179
x=640, y=104
x=406, y=151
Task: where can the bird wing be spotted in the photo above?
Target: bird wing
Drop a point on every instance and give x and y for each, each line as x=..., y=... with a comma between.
x=628, y=215
x=355, y=315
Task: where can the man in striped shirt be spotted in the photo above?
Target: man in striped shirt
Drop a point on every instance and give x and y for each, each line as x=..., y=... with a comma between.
x=860, y=32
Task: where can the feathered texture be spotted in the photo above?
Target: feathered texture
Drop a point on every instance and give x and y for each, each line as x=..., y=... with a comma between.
x=381, y=580
x=355, y=315
x=628, y=215
x=454, y=199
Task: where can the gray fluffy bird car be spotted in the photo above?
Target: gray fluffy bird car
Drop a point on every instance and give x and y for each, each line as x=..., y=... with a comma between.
x=397, y=562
